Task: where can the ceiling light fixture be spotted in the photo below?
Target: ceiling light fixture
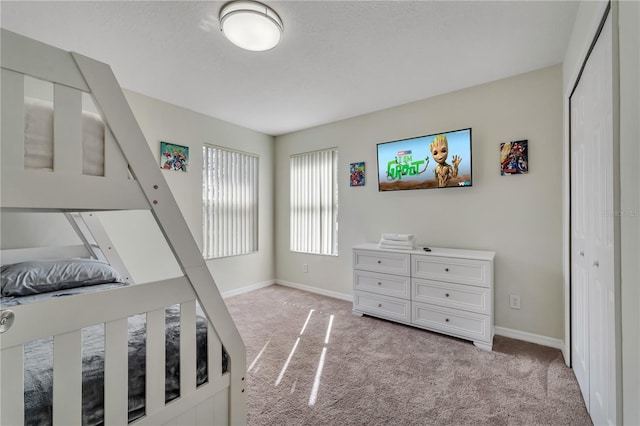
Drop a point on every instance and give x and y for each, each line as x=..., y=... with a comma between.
x=251, y=25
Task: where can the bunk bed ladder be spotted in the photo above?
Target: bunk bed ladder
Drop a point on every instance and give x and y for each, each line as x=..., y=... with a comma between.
x=110, y=100
x=97, y=241
x=84, y=234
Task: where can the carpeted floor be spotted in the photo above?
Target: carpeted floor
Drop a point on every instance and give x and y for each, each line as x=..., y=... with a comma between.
x=377, y=372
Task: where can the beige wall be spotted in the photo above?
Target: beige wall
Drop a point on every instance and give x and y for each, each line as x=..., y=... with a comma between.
x=161, y=121
x=520, y=217
x=134, y=233
x=29, y=230
x=629, y=32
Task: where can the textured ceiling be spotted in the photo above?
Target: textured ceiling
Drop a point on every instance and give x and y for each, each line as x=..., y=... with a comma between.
x=338, y=59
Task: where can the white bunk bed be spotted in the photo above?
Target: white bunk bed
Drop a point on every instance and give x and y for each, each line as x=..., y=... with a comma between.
x=131, y=180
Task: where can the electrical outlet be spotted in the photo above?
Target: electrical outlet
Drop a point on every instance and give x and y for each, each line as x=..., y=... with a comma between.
x=514, y=301
x=305, y=268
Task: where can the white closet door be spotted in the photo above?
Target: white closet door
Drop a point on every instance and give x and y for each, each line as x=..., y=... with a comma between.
x=580, y=184
x=592, y=233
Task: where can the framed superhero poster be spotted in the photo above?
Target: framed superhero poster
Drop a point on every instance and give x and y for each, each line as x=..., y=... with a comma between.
x=174, y=157
x=356, y=174
x=514, y=158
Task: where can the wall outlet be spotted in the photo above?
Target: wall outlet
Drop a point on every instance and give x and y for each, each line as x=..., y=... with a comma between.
x=305, y=268
x=514, y=301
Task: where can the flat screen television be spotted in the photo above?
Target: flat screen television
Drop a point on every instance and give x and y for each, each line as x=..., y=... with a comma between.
x=441, y=160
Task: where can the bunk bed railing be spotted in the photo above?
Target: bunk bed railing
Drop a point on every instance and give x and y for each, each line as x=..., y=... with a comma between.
x=24, y=57
x=112, y=308
x=125, y=144
x=84, y=310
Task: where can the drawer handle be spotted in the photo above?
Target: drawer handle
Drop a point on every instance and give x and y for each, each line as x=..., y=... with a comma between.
x=447, y=294
x=379, y=261
x=380, y=306
x=379, y=283
x=446, y=319
x=446, y=269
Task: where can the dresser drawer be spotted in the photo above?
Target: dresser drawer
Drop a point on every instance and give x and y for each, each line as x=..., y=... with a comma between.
x=382, y=306
x=375, y=282
x=457, y=323
x=457, y=296
x=450, y=269
x=380, y=261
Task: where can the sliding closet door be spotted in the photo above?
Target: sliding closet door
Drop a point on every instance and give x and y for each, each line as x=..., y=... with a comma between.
x=592, y=233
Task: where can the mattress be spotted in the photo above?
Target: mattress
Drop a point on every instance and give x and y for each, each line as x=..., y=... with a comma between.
x=38, y=144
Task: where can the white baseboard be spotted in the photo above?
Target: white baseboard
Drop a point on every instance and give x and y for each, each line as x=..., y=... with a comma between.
x=247, y=289
x=310, y=289
x=565, y=351
x=530, y=337
x=500, y=331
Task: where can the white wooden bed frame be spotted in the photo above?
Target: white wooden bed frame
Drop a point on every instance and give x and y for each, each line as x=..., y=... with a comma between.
x=132, y=180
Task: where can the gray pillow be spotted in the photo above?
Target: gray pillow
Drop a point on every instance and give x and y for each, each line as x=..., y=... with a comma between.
x=42, y=276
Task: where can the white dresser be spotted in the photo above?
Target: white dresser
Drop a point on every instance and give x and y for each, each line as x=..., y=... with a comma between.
x=445, y=290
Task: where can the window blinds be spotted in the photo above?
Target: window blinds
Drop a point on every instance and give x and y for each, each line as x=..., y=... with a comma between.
x=314, y=202
x=230, y=202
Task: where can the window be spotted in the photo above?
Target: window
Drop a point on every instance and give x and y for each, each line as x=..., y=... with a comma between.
x=314, y=202
x=229, y=202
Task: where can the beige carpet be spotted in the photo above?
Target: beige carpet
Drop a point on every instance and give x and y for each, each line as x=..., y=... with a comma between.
x=377, y=372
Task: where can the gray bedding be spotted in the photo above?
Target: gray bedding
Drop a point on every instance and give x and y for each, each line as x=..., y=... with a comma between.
x=8, y=301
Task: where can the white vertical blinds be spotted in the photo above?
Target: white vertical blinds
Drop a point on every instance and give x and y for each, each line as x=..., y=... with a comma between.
x=314, y=202
x=230, y=202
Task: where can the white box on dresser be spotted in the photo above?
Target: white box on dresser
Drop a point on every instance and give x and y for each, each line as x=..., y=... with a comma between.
x=445, y=290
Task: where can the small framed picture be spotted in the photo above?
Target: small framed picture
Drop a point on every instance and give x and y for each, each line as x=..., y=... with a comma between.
x=514, y=158
x=174, y=157
x=356, y=174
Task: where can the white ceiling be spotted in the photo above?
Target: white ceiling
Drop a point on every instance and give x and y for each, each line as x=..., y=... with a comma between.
x=338, y=59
